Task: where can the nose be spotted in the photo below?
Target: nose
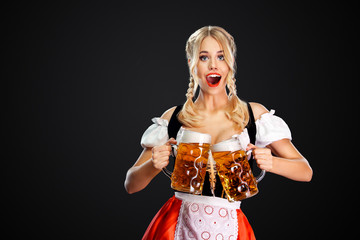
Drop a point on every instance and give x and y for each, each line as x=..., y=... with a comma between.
x=212, y=65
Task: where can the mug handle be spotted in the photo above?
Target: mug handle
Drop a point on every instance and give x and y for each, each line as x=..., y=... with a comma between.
x=166, y=171
x=262, y=173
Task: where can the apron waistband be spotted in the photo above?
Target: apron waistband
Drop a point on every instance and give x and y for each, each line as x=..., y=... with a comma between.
x=215, y=201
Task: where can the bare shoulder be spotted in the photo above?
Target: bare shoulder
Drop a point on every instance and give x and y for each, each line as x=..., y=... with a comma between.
x=168, y=113
x=258, y=109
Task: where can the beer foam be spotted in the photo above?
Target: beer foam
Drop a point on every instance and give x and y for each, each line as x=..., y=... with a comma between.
x=230, y=145
x=188, y=136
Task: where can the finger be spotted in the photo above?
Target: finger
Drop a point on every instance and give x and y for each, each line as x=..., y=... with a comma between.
x=250, y=146
x=163, y=154
x=164, y=159
x=171, y=141
x=159, y=159
x=264, y=164
x=261, y=155
x=166, y=149
x=262, y=150
x=262, y=167
x=261, y=161
x=162, y=148
x=265, y=167
x=163, y=164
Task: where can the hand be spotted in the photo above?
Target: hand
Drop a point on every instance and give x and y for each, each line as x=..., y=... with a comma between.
x=262, y=156
x=161, y=154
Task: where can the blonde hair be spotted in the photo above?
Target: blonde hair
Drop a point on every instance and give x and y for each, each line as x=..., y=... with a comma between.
x=237, y=111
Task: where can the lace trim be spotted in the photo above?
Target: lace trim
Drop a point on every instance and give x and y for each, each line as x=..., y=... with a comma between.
x=178, y=235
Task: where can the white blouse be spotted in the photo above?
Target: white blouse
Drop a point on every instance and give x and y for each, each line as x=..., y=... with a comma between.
x=269, y=128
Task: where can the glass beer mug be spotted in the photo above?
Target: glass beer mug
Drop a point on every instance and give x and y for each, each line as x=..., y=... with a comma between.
x=191, y=153
x=234, y=170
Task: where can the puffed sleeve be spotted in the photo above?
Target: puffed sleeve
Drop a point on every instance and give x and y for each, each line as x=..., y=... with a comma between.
x=156, y=134
x=270, y=128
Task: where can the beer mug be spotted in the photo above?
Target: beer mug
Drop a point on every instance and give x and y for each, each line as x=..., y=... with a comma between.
x=191, y=153
x=234, y=170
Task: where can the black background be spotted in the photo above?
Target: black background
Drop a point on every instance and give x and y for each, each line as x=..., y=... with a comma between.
x=84, y=80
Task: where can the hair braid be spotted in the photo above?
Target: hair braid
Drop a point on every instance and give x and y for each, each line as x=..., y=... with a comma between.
x=191, y=90
x=232, y=87
x=189, y=105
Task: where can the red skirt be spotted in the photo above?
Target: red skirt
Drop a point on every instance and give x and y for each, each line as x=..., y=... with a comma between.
x=214, y=222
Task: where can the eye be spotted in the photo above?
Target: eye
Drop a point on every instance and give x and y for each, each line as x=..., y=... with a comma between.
x=203, y=58
x=221, y=57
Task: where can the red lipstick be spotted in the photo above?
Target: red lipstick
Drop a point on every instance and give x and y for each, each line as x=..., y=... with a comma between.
x=213, y=79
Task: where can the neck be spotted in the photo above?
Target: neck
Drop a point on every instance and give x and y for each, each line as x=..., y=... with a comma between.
x=209, y=103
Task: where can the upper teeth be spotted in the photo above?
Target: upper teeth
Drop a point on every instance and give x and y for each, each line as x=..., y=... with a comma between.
x=214, y=75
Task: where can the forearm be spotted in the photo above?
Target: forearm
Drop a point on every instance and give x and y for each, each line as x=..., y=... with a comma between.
x=295, y=169
x=138, y=177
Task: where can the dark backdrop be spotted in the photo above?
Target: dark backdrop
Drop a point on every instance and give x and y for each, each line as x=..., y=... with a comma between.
x=84, y=80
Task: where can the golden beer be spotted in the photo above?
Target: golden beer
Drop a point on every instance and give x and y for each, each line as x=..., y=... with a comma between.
x=190, y=167
x=235, y=174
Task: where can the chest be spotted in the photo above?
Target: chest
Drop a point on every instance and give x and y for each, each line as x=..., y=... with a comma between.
x=220, y=129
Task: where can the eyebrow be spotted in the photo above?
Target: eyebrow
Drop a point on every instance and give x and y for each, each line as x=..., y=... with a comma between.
x=221, y=51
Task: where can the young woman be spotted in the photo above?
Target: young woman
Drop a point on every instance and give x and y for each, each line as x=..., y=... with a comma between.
x=219, y=112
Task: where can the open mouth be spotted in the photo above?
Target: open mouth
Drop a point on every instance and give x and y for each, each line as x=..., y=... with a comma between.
x=213, y=79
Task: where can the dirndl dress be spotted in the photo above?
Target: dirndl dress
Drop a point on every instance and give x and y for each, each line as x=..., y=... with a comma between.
x=187, y=216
